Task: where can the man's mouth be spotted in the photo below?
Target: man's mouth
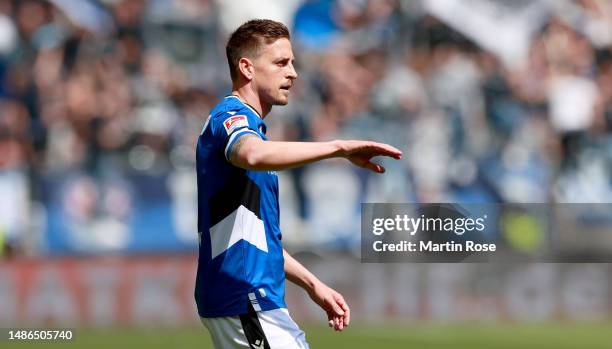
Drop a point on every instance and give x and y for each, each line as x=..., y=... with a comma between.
x=285, y=87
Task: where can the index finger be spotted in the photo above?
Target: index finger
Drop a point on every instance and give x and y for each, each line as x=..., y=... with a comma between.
x=336, y=308
x=386, y=149
x=347, y=314
x=346, y=317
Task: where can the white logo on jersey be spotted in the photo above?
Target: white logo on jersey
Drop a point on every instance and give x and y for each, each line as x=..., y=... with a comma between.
x=235, y=122
x=231, y=112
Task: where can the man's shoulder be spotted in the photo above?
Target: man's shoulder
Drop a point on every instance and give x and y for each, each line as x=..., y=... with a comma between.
x=224, y=106
x=228, y=107
x=231, y=114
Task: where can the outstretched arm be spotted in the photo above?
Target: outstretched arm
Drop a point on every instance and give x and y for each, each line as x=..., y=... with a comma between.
x=332, y=302
x=252, y=153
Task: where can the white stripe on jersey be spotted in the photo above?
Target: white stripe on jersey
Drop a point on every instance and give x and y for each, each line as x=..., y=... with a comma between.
x=205, y=125
x=241, y=224
x=254, y=302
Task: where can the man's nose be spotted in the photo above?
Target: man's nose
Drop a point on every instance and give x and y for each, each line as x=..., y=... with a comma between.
x=292, y=74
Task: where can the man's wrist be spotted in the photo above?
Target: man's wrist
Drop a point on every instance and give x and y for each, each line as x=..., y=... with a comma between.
x=338, y=148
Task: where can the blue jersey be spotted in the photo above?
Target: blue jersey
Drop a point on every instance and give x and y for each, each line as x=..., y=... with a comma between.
x=241, y=256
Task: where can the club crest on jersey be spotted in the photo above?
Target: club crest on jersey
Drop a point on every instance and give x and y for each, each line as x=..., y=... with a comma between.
x=234, y=123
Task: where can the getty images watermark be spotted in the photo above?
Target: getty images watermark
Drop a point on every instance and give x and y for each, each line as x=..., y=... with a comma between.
x=412, y=225
x=486, y=233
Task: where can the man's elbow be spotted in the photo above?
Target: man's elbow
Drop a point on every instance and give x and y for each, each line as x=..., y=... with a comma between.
x=252, y=159
x=251, y=156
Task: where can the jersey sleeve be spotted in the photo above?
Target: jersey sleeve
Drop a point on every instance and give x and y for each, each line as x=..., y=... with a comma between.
x=227, y=127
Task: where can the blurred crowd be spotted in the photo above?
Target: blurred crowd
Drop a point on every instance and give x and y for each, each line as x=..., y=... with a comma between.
x=98, y=96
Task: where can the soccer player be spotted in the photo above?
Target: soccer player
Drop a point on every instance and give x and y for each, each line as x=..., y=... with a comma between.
x=242, y=266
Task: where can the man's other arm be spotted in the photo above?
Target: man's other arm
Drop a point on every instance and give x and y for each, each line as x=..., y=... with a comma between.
x=252, y=153
x=332, y=302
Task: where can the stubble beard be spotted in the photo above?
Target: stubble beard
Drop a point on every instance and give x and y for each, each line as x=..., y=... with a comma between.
x=280, y=100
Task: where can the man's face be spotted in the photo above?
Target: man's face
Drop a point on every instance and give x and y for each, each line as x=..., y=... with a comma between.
x=274, y=72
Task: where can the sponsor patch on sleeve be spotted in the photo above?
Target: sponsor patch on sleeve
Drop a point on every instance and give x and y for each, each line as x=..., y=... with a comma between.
x=235, y=122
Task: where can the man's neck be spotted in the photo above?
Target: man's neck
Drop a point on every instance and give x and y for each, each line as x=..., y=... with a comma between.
x=252, y=99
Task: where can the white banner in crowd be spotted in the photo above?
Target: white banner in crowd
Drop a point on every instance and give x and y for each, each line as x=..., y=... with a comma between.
x=503, y=27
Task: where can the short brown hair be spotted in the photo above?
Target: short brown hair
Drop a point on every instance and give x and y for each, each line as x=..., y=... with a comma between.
x=249, y=38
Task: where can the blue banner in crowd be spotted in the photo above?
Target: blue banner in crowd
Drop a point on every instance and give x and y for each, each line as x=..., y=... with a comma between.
x=133, y=213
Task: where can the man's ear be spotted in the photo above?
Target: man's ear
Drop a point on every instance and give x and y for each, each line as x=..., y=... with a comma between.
x=246, y=68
